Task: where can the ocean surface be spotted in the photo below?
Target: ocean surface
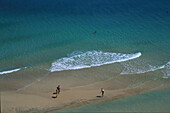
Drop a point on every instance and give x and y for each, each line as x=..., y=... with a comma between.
x=153, y=101
x=58, y=35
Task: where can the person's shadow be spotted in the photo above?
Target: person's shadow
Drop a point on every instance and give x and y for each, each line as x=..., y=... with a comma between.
x=54, y=96
x=98, y=96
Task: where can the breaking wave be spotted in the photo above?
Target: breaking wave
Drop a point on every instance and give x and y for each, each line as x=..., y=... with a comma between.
x=90, y=59
x=138, y=67
x=9, y=71
x=166, y=71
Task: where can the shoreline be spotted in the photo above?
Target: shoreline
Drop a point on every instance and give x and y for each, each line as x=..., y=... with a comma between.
x=83, y=103
x=150, y=101
x=78, y=88
x=83, y=46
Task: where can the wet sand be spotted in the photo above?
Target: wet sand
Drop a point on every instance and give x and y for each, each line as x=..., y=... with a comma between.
x=151, y=101
x=78, y=87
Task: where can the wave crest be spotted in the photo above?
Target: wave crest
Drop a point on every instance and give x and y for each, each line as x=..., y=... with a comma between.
x=90, y=59
x=166, y=71
x=139, y=66
x=9, y=71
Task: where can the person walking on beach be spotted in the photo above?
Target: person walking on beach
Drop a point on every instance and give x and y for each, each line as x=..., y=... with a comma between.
x=57, y=92
x=58, y=88
x=102, y=91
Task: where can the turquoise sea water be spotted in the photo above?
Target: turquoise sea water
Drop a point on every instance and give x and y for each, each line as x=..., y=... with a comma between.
x=154, y=101
x=58, y=35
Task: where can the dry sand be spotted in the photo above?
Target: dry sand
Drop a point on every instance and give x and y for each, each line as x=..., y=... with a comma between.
x=77, y=88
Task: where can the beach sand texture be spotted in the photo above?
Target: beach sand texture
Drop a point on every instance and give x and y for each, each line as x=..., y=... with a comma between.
x=75, y=91
x=82, y=45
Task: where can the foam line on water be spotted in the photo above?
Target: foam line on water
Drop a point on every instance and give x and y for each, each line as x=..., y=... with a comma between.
x=166, y=71
x=140, y=71
x=138, y=66
x=10, y=71
x=90, y=59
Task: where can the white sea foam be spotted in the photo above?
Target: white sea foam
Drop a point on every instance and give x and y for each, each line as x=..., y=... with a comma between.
x=90, y=59
x=139, y=71
x=9, y=71
x=137, y=67
x=166, y=71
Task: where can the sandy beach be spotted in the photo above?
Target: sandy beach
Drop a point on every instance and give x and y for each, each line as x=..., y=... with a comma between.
x=83, y=46
x=76, y=89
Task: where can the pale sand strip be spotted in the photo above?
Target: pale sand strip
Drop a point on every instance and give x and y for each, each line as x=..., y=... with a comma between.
x=37, y=97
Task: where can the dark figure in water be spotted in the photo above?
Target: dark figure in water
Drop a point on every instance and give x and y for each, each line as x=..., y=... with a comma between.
x=95, y=32
x=167, y=12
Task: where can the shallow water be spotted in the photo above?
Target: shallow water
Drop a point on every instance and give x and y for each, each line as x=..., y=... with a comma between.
x=37, y=33
x=153, y=101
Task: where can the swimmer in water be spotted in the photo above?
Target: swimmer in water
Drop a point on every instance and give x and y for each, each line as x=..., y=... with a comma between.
x=95, y=32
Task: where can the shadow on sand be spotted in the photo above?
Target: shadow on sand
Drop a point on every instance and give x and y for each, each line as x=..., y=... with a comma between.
x=53, y=97
x=99, y=96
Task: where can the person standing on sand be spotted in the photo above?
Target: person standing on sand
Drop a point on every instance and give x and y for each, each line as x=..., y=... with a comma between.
x=102, y=91
x=58, y=88
x=57, y=92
